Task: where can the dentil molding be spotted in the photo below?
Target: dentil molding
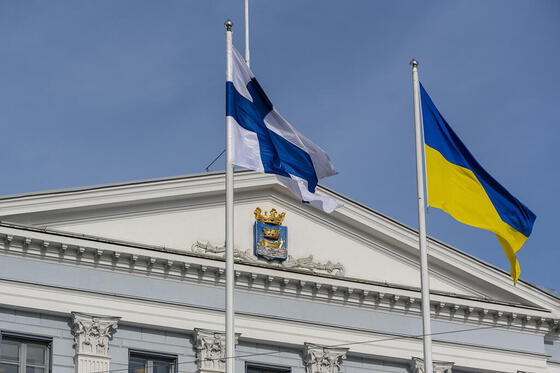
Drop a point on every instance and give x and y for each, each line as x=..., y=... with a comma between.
x=203, y=263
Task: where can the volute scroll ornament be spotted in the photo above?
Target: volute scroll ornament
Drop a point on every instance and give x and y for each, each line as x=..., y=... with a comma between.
x=438, y=366
x=321, y=359
x=210, y=348
x=92, y=334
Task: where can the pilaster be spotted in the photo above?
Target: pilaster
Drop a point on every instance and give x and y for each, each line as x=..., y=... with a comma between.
x=321, y=359
x=438, y=366
x=91, y=341
x=211, y=350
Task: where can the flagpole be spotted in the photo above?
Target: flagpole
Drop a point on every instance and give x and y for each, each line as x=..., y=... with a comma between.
x=230, y=327
x=424, y=278
x=247, y=53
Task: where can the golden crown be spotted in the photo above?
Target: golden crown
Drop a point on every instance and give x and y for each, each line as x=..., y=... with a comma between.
x=271, y=233
x=272, y=218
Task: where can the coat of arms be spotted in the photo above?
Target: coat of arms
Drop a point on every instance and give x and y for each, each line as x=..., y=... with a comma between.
x=271, y=239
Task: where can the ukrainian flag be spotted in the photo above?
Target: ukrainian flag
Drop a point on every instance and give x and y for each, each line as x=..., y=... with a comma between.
x=459, y=185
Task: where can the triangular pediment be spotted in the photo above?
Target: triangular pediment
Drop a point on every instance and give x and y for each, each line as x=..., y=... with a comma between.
x=187, y=214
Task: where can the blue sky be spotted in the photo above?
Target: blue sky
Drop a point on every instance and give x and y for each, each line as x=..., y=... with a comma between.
x=107, y=91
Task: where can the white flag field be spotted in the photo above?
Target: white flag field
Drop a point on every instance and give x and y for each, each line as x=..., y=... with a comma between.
x=265, y=142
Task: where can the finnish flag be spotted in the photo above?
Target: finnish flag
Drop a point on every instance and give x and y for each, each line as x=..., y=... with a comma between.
x=264, y=141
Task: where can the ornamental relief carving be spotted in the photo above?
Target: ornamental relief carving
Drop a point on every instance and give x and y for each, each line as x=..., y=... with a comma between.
x=438, y=366
x=307, y=263
x=319, y=359
x=92, y=333
x=211, y=350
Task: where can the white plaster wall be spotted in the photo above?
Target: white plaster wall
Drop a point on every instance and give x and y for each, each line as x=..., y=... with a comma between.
x=307, y=235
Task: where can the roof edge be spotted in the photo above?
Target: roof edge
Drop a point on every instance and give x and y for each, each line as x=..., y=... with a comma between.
x=245, y=171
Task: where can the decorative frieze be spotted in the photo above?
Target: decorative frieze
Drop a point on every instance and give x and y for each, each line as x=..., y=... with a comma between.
x=321, y=359
x=91, y=341
x=211, y=350
x=188, y=266
x=438, y=366
x=305, y=264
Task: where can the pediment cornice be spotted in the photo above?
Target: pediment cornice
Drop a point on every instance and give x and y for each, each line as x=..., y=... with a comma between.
x=300, y=283
x=352, y=220
x=360, y=223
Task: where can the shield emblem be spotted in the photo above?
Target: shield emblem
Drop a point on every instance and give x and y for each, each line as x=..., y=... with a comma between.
x=271, y=238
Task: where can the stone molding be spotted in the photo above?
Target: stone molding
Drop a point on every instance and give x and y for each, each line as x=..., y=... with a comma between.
x=321, y=359
x=91, y=341
x=438, y=366
x=210, y=348
x=203, y=267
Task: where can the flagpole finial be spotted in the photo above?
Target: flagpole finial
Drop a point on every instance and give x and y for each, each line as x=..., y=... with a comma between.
x=413, y=63
x=228, y=24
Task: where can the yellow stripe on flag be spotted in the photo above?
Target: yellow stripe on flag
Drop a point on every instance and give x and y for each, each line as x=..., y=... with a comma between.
x=457, y=191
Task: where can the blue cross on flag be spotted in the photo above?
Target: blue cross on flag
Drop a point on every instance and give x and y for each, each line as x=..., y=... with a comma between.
x=265, y=142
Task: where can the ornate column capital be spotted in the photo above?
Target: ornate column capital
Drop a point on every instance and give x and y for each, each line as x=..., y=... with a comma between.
x=438, y=366
x=210, y=348
x=321, y=359
x=91, y=341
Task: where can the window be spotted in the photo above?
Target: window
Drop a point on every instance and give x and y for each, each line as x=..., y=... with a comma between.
x=24, y=355
x=148, y=362
x=260, y=368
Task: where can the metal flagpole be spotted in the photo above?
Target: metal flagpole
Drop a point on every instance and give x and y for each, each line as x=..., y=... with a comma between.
x=424, y=279
x=247, y=53
x=230, y=327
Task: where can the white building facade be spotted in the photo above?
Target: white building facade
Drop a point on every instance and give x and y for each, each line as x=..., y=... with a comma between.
x=130, y=278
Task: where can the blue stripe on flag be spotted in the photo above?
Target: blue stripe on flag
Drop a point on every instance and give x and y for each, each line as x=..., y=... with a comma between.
x=279, y=156
x=441, y=137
